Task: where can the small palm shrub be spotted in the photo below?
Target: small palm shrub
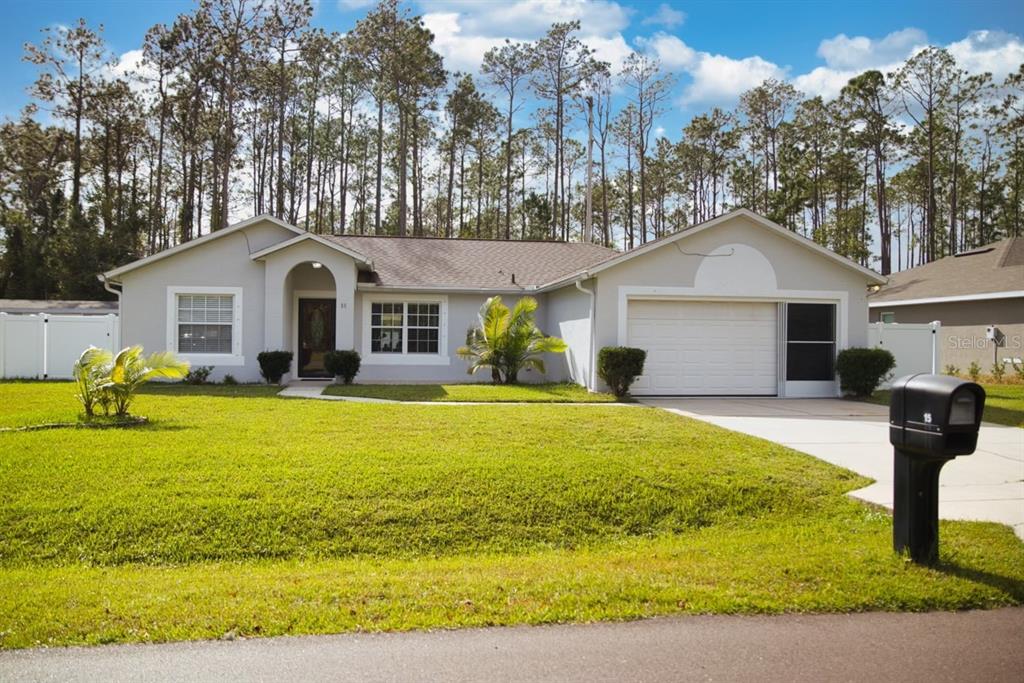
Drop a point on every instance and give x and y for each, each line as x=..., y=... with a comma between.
x=974, y=371
x=998, y=372
x=343, y=364
x=508, y=341
x=951, y=370
x=110, y=382
x=273, y=365
x=619, y=366
x=862, y=370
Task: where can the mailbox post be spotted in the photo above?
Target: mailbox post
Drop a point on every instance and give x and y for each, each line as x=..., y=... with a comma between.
x=932, y=419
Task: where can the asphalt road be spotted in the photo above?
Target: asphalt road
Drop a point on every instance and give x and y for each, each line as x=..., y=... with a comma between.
x=938, y=646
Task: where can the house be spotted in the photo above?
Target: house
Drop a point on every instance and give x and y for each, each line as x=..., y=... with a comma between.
x=734, y=306
x=977, y=295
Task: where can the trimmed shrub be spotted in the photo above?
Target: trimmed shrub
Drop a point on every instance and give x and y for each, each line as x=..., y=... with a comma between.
x=273, y=365
x=619, y=366
x=862, y=370
x=343, y=364
x=198, y=374
x=230, y=380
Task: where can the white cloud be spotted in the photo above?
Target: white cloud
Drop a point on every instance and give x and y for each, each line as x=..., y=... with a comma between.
x=718, y=79
x=665, y=16
x=994, y=51
x=461, y=51
x=860, y=52
x=613, y=50
x=997, y=52
x=670, y=50
x=529, y=19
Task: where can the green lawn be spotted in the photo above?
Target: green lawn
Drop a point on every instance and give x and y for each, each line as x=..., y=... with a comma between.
x=480, y=393
x=234, y=511
x=1004, y=403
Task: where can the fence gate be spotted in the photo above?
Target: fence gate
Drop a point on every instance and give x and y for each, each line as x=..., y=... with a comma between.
x=43, y=346
x=915, y=346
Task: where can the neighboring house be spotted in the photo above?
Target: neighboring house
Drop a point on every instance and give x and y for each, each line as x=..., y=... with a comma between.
x=968, y=293
x=734, y=306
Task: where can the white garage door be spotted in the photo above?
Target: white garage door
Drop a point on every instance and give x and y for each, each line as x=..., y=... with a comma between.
x=705, y=348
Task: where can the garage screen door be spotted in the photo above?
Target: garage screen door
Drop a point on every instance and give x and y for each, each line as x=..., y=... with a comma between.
x=705, y=348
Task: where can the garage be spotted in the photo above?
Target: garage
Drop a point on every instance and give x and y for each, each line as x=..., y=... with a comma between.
x=710, y=348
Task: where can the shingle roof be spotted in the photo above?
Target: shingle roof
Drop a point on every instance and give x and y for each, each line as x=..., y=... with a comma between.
x=471, y=263
x=55, y=306
x=997, y=267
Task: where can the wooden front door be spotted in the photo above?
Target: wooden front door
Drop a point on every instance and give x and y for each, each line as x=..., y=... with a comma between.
x=316, y=335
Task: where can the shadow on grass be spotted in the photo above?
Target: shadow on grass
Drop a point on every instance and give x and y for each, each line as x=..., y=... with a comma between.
x=1009, y=585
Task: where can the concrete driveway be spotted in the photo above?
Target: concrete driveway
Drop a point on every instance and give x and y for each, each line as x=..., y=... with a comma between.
x=988, y=485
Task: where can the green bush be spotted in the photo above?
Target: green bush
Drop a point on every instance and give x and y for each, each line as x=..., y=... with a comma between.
x=229, y=380
x=862, y=370
x=273, y=365
x=951, y=370
x=343, y=364
x=619, y=366
x=198, y=375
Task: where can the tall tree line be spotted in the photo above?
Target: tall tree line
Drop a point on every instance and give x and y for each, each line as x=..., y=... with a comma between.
x=241, y=107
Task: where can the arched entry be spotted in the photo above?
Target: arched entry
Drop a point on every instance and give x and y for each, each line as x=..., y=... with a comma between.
x=313, y=313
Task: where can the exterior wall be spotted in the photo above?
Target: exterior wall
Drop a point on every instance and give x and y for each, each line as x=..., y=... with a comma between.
x=223, y=262
x=461, y=314
x=567, y=315
x=739, y=260
x=963, y=339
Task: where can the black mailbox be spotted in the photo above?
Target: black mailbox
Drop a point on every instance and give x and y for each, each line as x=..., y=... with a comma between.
x=932, y=419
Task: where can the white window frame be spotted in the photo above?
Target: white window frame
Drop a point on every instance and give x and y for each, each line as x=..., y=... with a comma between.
x=406, y=358
x=233, y=358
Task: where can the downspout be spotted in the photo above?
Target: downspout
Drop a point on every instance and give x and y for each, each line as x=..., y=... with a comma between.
x=117, y=293
x=590, y=383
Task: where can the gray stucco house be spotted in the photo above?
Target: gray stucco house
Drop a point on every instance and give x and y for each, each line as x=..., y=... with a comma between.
x=977, y=295
x=734, y=306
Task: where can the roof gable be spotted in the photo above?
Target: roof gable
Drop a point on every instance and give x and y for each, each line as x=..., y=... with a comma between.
x=312, y=237
x=199, y=241
x=761, y=221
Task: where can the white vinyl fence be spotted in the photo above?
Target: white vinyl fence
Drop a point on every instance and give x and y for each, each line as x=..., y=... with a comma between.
x=914, y=345
x=44, y=346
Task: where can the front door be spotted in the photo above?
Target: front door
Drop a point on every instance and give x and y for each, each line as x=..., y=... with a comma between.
x=316, y=335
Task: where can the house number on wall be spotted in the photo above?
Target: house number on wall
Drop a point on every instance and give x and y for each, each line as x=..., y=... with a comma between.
x=343, y=305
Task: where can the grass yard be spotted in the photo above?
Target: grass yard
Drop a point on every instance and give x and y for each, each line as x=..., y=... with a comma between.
x=480, y=393
x=237, y=512
x=1004, y=403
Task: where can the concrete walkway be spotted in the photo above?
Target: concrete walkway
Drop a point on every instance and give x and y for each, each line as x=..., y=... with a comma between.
x=988, y=485
x=933, y=647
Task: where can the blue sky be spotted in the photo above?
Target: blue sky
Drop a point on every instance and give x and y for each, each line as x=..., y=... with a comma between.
x=717, y=49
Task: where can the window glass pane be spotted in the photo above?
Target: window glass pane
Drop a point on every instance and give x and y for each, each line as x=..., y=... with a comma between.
x=206, y=323
x=204, y=338
x=888, y=317
x=810, y=322
x=810, y=362
x=423, y=340
x=386, y=340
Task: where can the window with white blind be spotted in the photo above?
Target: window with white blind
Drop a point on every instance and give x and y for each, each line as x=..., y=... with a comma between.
x=407, y=331
x=204, y=324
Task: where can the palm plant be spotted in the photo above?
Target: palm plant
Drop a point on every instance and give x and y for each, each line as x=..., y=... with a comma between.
x=89, y=371
x=507, y=341
x=130, y=370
